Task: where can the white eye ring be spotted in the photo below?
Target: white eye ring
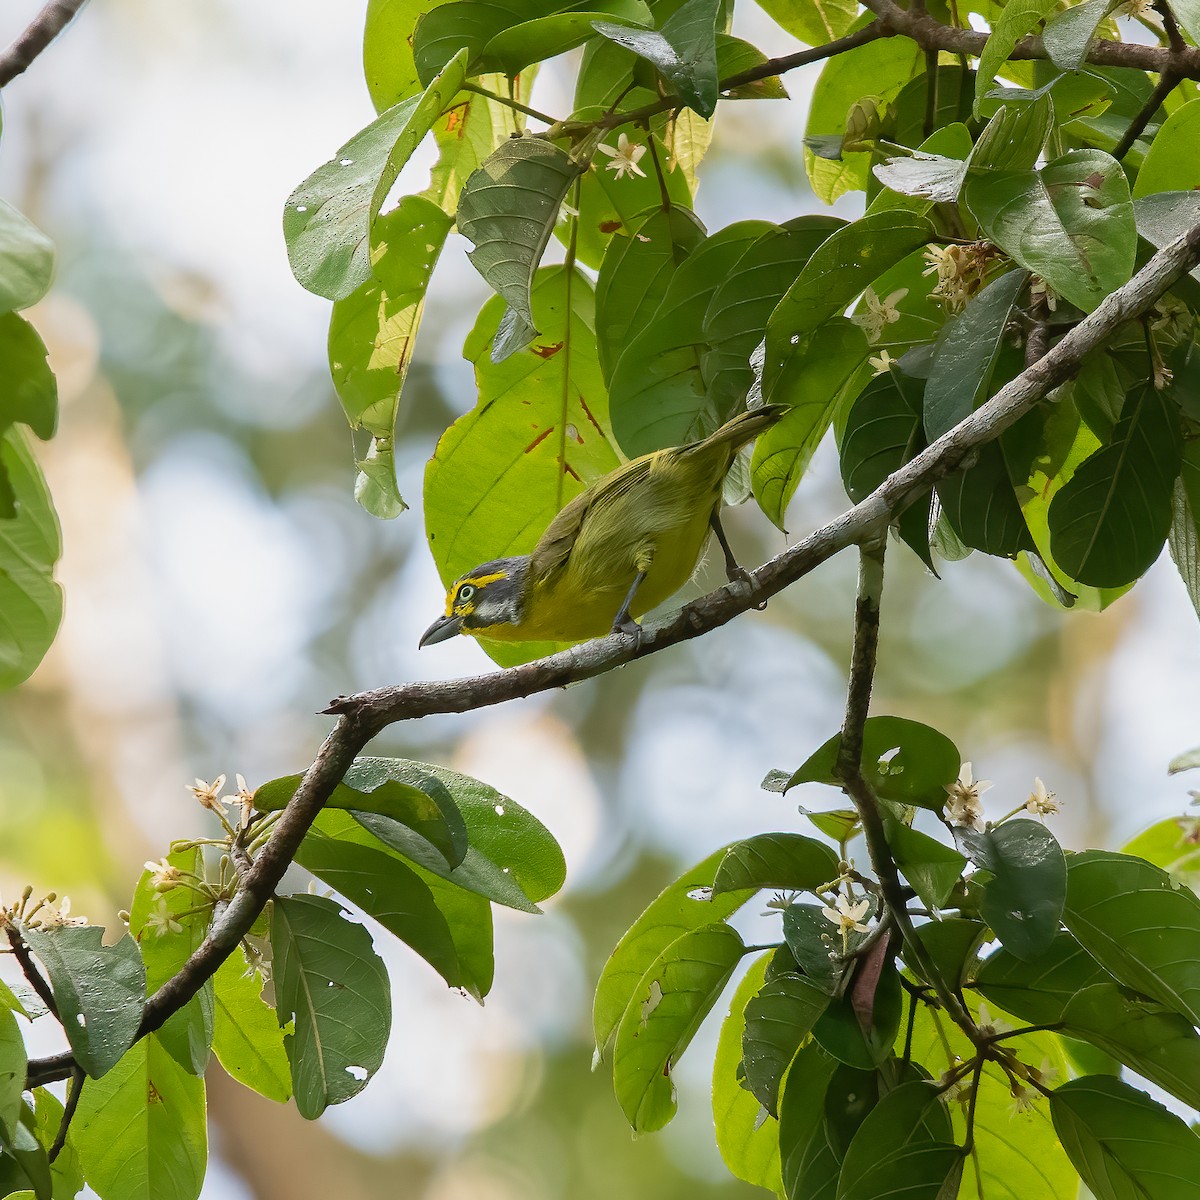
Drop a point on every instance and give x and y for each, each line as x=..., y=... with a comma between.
x=465, y=592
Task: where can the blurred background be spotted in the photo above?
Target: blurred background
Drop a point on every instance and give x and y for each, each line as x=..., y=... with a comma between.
x=222, y=585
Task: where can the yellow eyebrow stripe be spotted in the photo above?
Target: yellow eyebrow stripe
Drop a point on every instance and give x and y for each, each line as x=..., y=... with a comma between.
x=475, y=581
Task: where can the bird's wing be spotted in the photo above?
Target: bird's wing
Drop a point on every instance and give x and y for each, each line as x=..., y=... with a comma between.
x=555, y=545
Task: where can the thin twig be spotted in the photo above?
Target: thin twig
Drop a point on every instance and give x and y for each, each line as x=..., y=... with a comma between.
x=509, y=102
x=1166, y=85
x=29, y=969
x=1170, y=26
x=38, y=34
x=73, y=1093
x=366, y=714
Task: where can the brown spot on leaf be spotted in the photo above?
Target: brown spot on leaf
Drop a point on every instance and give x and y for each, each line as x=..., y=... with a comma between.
x=588, y=413
x=610, y=226
x=547, y=351
x=570, y=470
x=541, y=437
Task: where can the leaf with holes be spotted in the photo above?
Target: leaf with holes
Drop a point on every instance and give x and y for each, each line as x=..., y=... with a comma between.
x=332, y=989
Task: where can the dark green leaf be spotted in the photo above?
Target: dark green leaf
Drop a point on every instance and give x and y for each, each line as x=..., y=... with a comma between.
x=966, y=355
x=1138, y=926
x=1183, y=541
x=902, y=760
x=1069, y=35
x=788, y=861
x=327, y=220
x=777, y=1022
x=99, y=990
x=674, y=995
x=810, y=938
x=1014, y=21
x=860, y=1031
x=932, y=868
x=1124, y=1144
x=952, y=944
x=1038, y=989
x=332, y=988
x=507, y=210
x=12, y=1073
x=1071, y=222
x=28, y=391
x=25, y=1172
x=515, y=48
x=1013, y=139
x=140, y=1131
x=1109, y=522
x=1023, y=901
x=982, y=509
x=903, y=1147
x=26, y=260
x=1158, y=1044
x=247, y=1039
x=1163, y=217
x=809, y=1165
x=851, y=1095
x=686, y=905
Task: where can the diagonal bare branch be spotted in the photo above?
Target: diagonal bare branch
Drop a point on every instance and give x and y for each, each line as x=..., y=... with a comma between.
x=38, y=34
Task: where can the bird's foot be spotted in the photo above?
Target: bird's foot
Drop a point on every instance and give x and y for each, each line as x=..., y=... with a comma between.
x=631, y=628
x=740, y=576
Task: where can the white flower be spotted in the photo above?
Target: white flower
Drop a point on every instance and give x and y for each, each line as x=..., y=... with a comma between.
x=566, y=211
x=163, y=876
x=243, y=797
x=879, y=313
x=162, y=920
x=1041, y=802
x=780, y=902
x=881, y=362
x=990, y=1026
x=964, y=808
x=1046, y=1074
x=208, y=793
x=847, y=916
x=624, y=158
x=1023, y=1100
x=57, y=918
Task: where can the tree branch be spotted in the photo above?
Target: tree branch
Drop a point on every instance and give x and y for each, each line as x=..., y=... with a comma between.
x=29, y=969
x=1166, y=85
x=38, y=34
x=363, y=716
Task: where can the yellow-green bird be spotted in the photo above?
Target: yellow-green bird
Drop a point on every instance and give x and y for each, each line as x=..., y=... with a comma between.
x=614, y=552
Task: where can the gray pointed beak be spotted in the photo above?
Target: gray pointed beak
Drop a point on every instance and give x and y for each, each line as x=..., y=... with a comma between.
x=442, y=629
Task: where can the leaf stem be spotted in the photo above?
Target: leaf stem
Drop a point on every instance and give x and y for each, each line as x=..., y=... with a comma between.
x=510, y=102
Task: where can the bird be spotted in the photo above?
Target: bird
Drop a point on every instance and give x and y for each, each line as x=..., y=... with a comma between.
x=617, y=550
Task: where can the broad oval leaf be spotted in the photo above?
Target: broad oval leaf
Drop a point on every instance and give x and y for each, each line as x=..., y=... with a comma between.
x=1109, y=522
x=1023, y=901
x=674, y=995
x=809, y=1165
x=247, y=1039
x=327, y=220
x=932, y=868
x=1039, y=988
x=99, y=990
x=778, y=1020
x=1123, y=1143
x=789, y=861
x=26, y=260
x=1171, y=163
x=1141, y=928
x=332, y=988
x=683, y=906
x=513, y=49
x=1012, y=23
x=1071, y=222
x=140, y=1131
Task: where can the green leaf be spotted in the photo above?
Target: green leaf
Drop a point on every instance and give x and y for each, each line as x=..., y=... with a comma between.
x=637, y=268
x=1013, y=139
x=967, y=353
x=683, y=51
x=1123, y=1143
x=859, y=1030
x=1109, y=523
x=883, y=66
x=66, y=1175
x=982, y=509
x=514, y=446
x=658, y=392
x=1158, y=1044
x=928, y=176
x=140, y=1131
x=1183, y=542
x=809, y=936
x=372, y=331
x=387, y=49
x=1068, y=35
x=384, y=889
x=247, y=1039
x=12, y=1073
x=674, y=995
x=507, y=210
x=1163, y=217
x=1187, y=12
x=1071, y=222
x=741, y=306
x=840, y=269
x=684, y=906
x=816, y=383
x=327, y=220
x=1171, y=164
x=904, y=1147
x=902, y=760
x=29, y=547
x=776, y=860
x=1015, y=20
x=513, y=49
x=26, y=260
x=932, y=868
x=1142, y=930
x=412, y=794
x=24, y=1166
x=1038, y=989
x=778, y=1020
x=734, y=57
x=809, y=1165
x=1166, y=844
x=168, y=930
x=99, y=990
x=814, y=22
x=749, y=1144
x=28, y=391
x=883, y=431
x=511, y=856
x=332, y=987
x=1023, y=901
x=952, y=944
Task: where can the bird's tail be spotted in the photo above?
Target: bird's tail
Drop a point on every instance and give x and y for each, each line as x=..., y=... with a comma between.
x=745, y=427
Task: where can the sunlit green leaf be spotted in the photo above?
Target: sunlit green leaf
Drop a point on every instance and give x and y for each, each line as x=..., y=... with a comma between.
x=814, y=22
x=1015, y=20
x=26, y=260
x=247, y=1039
x=1068, y=35
x=12, y=1072
x=1166, y=843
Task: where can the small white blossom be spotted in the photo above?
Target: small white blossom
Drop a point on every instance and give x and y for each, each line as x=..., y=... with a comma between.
x=208, y=794
x=1040, y=290
x=163, y=876
x=848, y=915
x=60, y=917
x=624, y=158
x=1046, y=1074
x=780, y=902
x=1023, y=1100
x=162, y=920
x=964, y=809
x=879, y=313
x=881, y=362
x=1041, y=803
x=990, y=1026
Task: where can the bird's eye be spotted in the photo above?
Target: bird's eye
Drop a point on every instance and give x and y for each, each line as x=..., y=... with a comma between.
x=465, y=592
